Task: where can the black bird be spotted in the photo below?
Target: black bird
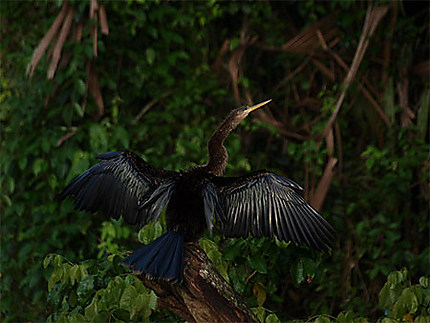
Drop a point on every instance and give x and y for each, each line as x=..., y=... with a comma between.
x=260, y=203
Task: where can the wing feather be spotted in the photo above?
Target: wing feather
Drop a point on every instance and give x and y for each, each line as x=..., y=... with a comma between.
x=293, y=224
x=302, y=226
x=263, y=203
x=122, y=184
x=313, y=232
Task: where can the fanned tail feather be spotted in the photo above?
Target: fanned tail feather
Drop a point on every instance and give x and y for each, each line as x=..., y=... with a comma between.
x=163, y=257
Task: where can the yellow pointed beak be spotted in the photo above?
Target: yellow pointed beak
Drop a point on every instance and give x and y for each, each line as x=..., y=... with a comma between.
x=259, y=105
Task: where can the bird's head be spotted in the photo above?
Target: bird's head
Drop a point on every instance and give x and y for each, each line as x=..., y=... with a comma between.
x=241, y=113
x=217, y=152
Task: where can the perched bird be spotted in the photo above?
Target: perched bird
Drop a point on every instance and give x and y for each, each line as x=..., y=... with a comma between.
x=260, y=203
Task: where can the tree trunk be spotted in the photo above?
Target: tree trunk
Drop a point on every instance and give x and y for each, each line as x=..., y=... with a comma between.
x=204, y=295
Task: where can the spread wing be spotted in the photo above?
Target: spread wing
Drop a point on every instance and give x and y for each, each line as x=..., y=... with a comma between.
x=122, y=183
x=263, y=203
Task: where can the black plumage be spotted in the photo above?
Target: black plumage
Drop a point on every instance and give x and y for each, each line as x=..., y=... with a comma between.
x=261, y=203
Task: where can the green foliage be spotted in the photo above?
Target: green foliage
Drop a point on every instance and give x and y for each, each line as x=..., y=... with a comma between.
x=96, y=291
x=399, y=300
x=111, y=232
x=212, y=251
x=403, y=301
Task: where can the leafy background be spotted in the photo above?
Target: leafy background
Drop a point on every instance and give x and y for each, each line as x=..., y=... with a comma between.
x=157, y=82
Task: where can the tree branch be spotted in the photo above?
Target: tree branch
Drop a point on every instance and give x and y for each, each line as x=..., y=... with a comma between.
x=204, y=295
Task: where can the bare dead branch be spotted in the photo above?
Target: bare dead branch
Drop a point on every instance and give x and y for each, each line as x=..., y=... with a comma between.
x=308, y=40
x=218, y=62
x=422, y=69
x=324, y=69
x=94, y=6
x=366, y=93
x=65, y=137
x=339, y=148
x=236, y=58
x=321, y=39
x=373, y=17
x=293, y=73
x=44, y=43
x=402, y=90
x=103, y=20
x=375, y=104
x=56, y=54
x=324, y=184
x=267, y=117
x=330, y=143
x=148, y=106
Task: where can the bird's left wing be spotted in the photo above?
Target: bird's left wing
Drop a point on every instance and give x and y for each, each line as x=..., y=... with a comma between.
x=263, y=203
x=122, y=183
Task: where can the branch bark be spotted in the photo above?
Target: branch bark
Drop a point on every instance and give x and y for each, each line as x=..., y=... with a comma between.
x=204, y=295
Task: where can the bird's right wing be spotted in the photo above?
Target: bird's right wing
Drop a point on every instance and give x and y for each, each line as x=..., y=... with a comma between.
x=264, y=203
x=122, y=183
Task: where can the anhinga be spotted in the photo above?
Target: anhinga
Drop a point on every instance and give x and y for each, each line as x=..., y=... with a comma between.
x=260, y=203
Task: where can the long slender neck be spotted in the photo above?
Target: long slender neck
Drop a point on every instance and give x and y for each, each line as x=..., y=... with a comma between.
x=218, y=156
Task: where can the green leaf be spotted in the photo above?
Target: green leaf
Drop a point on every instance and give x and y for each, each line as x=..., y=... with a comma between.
x=58, y=261
x=384, y=297
x=150, y=55
x=66, y=273
x=260, y=312
x=127, y=300
x=150, y=232
x=258, y=262
x=22, y=163
x=238, y=280
x=422, y=319
x=298, y=272
x=234, y=249
x=148, y=303
x=322, y=319
x=47, y=260
x=85, y=286
x=389, y=320
x=80, y=163
x=11, y=184
x=77, y=318
x=212, y=251
x=81, y=87
x=78, y=109
x=411, y=300
x=37, y=166
x=98, y=137
x=7, y=199
x=137, y=304
x=272, y=318
x=91, y=310
x=121, y=136
x=152, y=301
x=74, y=274
x=56, y=276
x=260, y=293
x=424, y=282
